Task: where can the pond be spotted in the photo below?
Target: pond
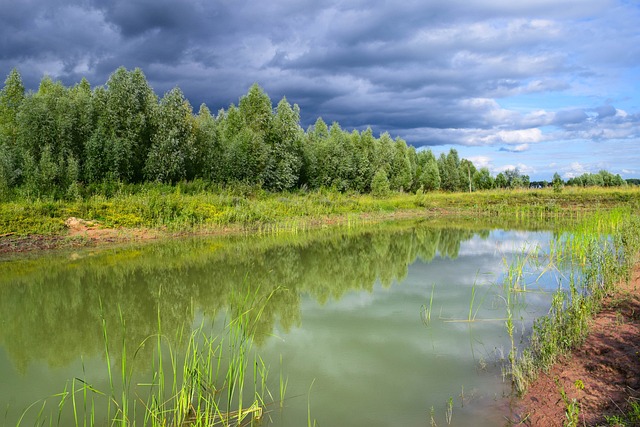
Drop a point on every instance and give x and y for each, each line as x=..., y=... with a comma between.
x=396, y=324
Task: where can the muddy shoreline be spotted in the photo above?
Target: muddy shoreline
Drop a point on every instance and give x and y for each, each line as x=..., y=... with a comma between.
x=607, y=365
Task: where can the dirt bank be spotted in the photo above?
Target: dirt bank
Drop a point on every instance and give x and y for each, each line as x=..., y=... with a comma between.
x=608, y=364
x=81, y=232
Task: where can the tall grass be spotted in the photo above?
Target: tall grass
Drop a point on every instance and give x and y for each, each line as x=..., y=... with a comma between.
x=212, y=380
x=178, y=209
x=603, y=251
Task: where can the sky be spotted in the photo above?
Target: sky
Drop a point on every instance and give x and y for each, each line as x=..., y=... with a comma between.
x=544, y=86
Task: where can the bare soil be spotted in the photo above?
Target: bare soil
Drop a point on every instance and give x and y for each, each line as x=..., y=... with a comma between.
x=80, y=233
x=608, y=364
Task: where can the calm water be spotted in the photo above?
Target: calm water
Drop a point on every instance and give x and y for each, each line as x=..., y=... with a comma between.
x=346, y=324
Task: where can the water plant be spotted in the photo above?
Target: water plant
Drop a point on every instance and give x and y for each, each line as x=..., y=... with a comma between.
x=606, y=259
x=449, y=411
x=432, y=420
x=471, y=317
x=203, y=382
x=425, y=310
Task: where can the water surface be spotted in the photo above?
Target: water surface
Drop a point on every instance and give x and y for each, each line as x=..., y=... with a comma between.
x=350, y=322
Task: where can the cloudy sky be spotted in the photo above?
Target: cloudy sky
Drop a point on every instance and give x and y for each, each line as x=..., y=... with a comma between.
x=542, y=85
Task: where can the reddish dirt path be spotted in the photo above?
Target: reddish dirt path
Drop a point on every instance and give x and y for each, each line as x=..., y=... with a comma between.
x=80, y=233
x=608, y=364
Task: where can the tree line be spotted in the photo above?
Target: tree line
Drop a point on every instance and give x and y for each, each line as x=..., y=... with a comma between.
x=67, y=142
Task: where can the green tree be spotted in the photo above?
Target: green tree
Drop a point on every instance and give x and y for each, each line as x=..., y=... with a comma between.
x=48, y=143
x=171, y=157
x=256, y=110
x=243, y=150
x=501, y=181
x=514, y=178
x=428, y=172
x=364, y=146
x=11, y=97
x=209, y=153
x=125, y=127
x=400, y=177
x=618, y=181
x=7, y=171
x=335, y=166
x=449, y=168
x=380, y=184
x=467, y=171
x=245, y=134
x=383, y=153
x=313, y=142
x=284, y=153
x=557, y=183
x=483, y=180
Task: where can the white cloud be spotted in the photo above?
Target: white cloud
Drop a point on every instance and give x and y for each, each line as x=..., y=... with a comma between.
x=522, y=168
x=481, y=161
x=573, y=170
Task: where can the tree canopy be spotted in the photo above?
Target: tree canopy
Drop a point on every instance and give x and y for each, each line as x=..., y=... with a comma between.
x=62, y=142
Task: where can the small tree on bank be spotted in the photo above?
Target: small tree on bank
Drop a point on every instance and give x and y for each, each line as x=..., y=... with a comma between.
x=557, y=183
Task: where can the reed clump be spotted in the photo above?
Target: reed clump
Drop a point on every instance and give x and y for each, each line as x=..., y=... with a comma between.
x=214, y=379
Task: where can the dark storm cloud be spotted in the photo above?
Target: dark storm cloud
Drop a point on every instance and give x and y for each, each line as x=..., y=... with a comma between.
x=134, y=18
x=431, y=72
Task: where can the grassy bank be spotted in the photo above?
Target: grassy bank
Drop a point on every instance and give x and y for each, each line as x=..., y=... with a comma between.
x=191, y=209
x=599, y=255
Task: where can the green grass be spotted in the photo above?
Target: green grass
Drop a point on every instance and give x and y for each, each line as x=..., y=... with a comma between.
x=214, y=379
x=605, y=248
x=169, y=208
x=630, y=417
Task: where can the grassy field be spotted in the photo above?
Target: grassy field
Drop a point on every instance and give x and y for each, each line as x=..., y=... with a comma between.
x=185, y=209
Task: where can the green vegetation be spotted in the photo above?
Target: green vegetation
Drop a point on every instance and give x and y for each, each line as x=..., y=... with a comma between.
x=210, y=272
x=194, y=208
x=206, y=385
x=572, y=411
x=605, y=246
x=119, y=156
x=71, y=143
x=600, y=179
x=631, y=418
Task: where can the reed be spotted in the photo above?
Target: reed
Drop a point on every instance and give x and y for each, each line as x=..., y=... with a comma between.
x=472, y=316
x=203, y=382
x=425, y=310
x=283, y=385
x=449, y=411
x=605, y=249
x=309, y=423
